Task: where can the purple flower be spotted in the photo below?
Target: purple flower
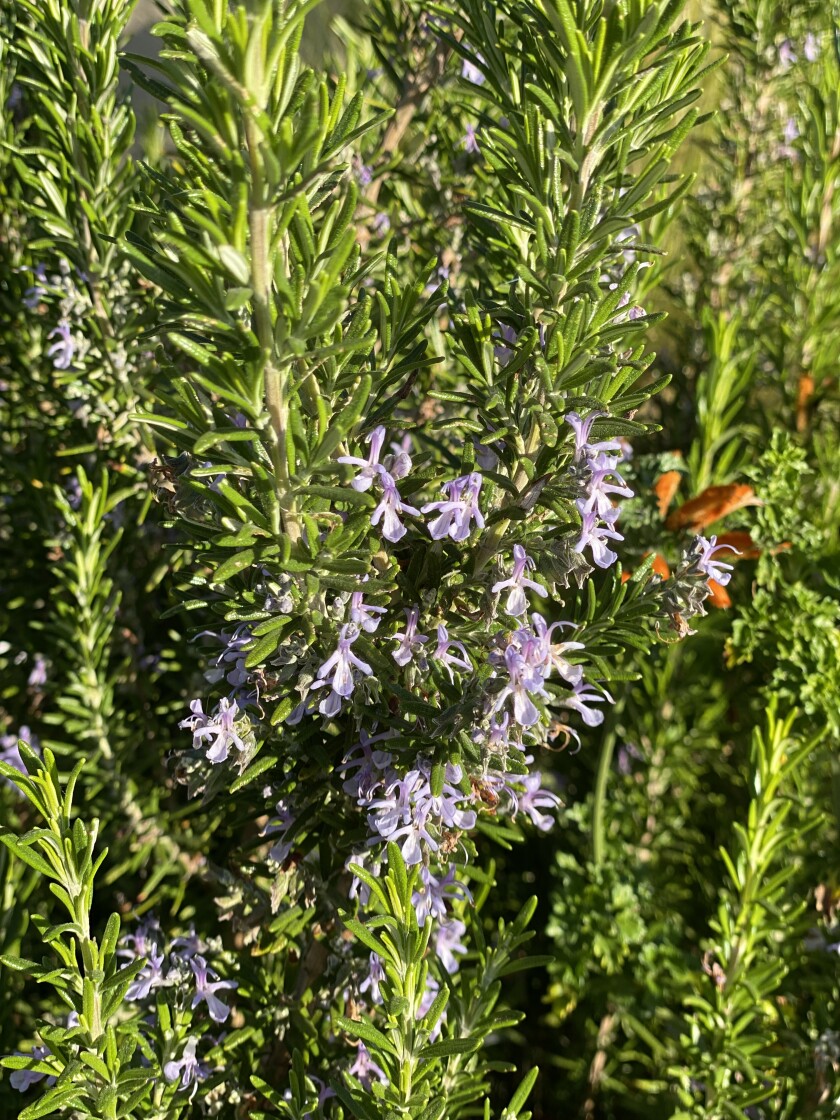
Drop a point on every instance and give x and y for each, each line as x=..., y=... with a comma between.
x=517, y=602
x=714, y=569
x=282, y=823
x=370, y=467
x=375, y=976
x=448, y=942
x=583, y=448
x=787, y=55
x=73, y=490
x=188, y=946
x=523, y=682
x=496, y=737
x=340, y=665
x=220, y=727
x=811, y=47
x=145, y=940
x=471, y=72
x=528, y=659
x=364, y=615
x=584, y=695
x=595, y=536
x=534, y=798
x=188, y=1068
x=62, y=351
x=451, y=660
x=230, y=664
x=381, y=224
x=458, y=510
x=390, y=507
x=10, y=750
x=206, y=988
x=470, y=142
x=365, y=1069
x=504, y=351
x=396, y=467
x=150, y=977
x=23, y=1079
x=429, y=997
x=600, y=491
x=551, y=654
x=432, y=894
x=365, y=859
x=406, y=810
x=32, y=296
x=38, y=675
x=370, y=767
x=410, y=642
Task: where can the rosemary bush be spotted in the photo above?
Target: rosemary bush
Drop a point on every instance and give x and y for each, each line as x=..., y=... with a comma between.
x=420, y=535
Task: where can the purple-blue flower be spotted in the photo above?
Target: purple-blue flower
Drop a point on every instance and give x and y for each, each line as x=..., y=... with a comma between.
x=365, y=1069
x=583, y=696
x=23, y=1079
x=448, y=940
x=407, y=809
x=451, y=660
x=470, y=141
x=150, y=977
x=220, y=728
x=381, y=224
x=282, y=823
x=337, y=672
x=518, y=582
x=389, y=509
x=714, y=569
x=409, y=641
x=188, y=1069
x=582, y=428
x=206, y=988
x=595, y=536
x=386, y=474
x=458, y=510
x=523, y=682
x=38, y=675
x=472, y=72
x=533, y=799
x=363, y=614
x=375, y=976
x=369, y=766
x=432, y=894
x=64, y=349
x=787, y=55
x=368, y=468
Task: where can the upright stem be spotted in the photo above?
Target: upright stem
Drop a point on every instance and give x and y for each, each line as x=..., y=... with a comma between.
x=275, y=378
x=494, y=538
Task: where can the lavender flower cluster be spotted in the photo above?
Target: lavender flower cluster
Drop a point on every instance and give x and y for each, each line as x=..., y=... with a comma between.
x=596, y=467
x=183, y=970
x=523, y=667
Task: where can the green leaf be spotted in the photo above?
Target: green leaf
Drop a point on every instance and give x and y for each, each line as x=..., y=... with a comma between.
x=367, y=1032
x=239, y=562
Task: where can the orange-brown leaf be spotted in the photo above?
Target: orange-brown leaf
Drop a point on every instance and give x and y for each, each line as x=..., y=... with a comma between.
x=665, y=488
x=660, y=566
x=714, y=503
x=743, y=542
x=805, y=392
x=719, y=596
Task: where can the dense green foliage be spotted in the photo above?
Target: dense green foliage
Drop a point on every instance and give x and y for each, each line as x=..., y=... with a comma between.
x=462, y=224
